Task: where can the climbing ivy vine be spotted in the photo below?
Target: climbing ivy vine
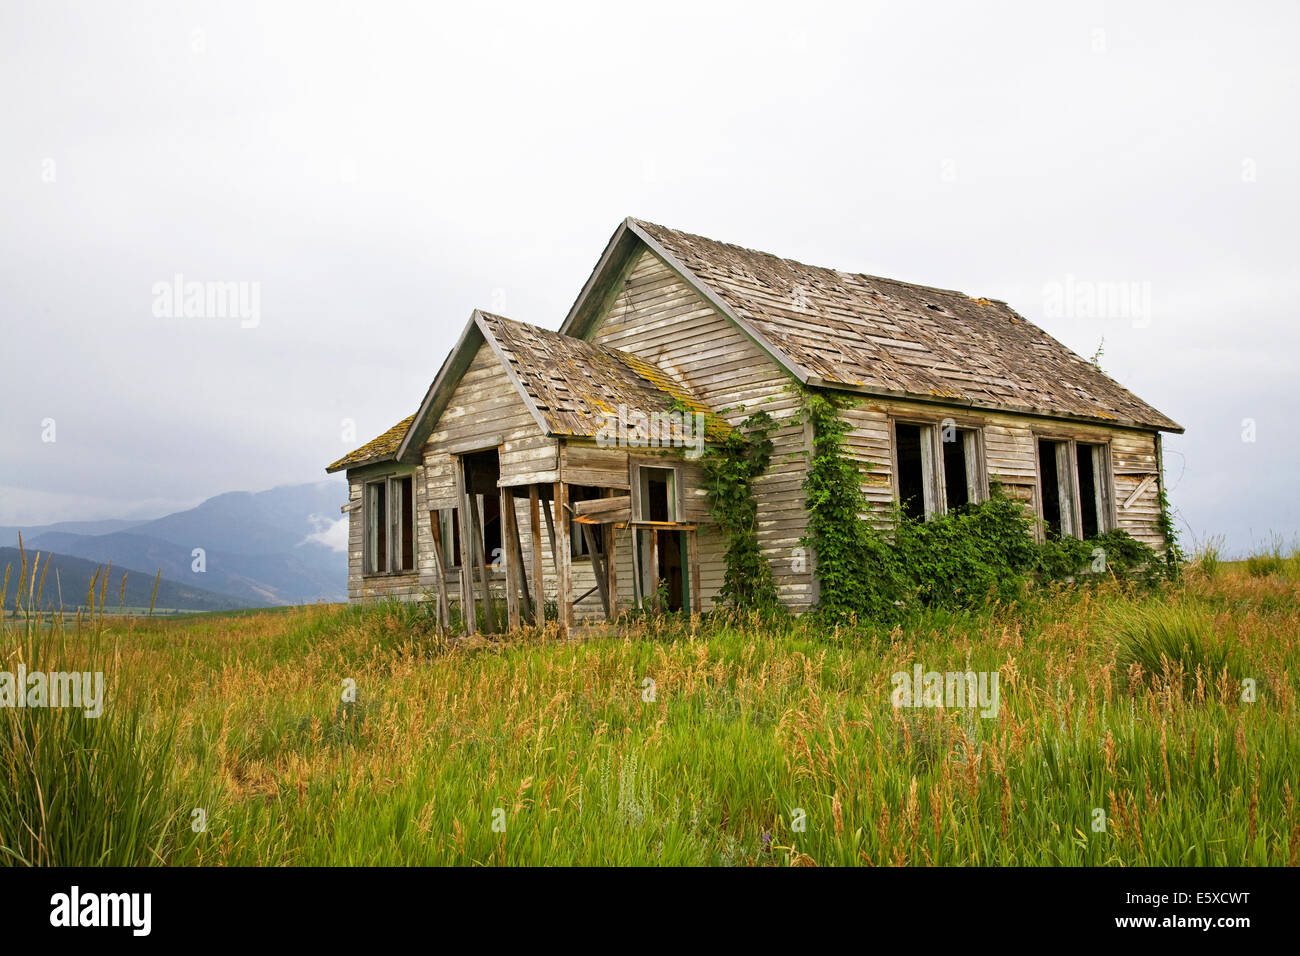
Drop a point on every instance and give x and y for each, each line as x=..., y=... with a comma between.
x=730, y=470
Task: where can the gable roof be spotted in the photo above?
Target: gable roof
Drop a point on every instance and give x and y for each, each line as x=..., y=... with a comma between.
x=568, y=385
x=872, y=335
x=572, y=384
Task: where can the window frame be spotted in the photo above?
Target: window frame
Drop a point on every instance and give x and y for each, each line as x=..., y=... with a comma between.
x=636, y=466
x=935, y=484
x=395, y=525
x=1103, y=483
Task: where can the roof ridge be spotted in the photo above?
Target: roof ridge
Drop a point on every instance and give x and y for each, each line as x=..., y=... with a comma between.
x=805, y=265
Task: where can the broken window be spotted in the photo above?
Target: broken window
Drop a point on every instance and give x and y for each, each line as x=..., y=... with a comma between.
x=658, y=488
x=962, y=480
x=1054, y=482
x=389, y=510
x=940, y=468
x=914, y=448
x=1075, y=488
x=1094, y=488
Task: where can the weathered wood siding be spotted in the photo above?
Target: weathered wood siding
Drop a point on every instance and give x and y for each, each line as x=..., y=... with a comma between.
x=661, y=319
x=1010, y=451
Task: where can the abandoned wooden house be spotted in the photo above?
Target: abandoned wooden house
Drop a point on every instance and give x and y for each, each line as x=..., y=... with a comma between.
x=563, y=468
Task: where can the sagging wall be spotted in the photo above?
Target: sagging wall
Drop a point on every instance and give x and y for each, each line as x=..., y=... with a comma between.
x=1010, y=451
x=661, y=319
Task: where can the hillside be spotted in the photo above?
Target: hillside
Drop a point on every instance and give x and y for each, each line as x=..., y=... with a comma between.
x=68, y=577
x=259, y=548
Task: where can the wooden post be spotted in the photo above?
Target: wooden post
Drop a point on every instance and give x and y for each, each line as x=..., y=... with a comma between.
x=693, y=559
x=468, y=607
x=480, y=558
x=508, y=556
x=517, y=558
x=611, y=539
x=654, y=569
x=535, y=529
x=435, y=526
x=550, y=533
x=564, y=558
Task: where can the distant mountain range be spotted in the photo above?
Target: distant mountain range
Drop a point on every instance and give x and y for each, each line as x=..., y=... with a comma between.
x=65, y=581
x=258, y=549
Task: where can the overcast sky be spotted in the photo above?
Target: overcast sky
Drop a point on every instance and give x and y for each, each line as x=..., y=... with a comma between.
x=380, y=170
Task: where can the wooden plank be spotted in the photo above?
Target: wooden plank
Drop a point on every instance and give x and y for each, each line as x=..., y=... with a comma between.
x=535, y=529
x=468, y=606
x=520, y=566
x=435, y=527
x=513, y=563
x=1138, y=492
x=480, y=559
x=654, y=569
x=611, y=561
x=597, y=566
x=606, y=509
x=564, y=565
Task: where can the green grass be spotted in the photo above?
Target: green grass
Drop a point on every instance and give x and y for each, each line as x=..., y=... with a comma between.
x=1110, y=699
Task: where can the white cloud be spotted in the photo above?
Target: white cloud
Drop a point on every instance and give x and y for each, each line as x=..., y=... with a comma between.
x=329, y=532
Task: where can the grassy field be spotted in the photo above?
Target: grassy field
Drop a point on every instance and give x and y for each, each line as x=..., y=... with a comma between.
x=757, y=744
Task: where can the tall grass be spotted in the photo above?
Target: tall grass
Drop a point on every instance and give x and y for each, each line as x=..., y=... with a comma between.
x=77, y=789
x=759, y=742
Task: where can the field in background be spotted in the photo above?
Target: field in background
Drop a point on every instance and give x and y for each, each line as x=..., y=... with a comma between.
x=756, y=744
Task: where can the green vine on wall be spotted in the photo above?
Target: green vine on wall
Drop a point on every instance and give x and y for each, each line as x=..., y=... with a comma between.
x=836, y=534
x=964, y=558
x=730, y=470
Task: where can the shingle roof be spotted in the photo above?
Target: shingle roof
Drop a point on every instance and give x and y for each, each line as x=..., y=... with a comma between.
x=573, y=384
x=568, y=384
x=893, y=338
x=377, y=449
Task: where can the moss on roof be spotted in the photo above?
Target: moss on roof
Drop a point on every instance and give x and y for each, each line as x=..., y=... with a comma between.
x=377, y=449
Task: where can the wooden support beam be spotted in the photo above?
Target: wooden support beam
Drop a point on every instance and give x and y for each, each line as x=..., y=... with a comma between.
x=480, y=559
x=693, y=559
x=597, y=566
x=513, y=562
x=520, y=566
x=564, y=564
x=539, y=579
x=611, y=561
x=654, y=569
x=435, y=527
x=550, y=533
x=468, y=606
